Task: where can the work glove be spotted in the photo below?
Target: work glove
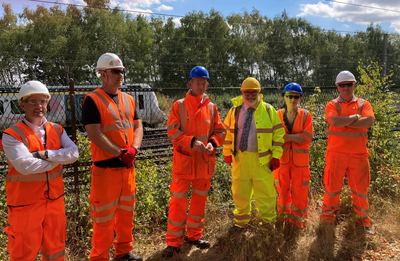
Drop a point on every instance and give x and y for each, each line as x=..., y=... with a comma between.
x=128, y=156
x=274, y=164
x=228, y=160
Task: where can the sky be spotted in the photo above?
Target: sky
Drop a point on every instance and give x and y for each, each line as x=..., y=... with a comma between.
x=340, y=15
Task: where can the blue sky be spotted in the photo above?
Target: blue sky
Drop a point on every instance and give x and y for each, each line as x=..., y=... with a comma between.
x=340, y=15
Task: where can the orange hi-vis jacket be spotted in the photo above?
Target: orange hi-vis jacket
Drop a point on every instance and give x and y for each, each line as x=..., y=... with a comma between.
x=190, y=119
x=25, y=190
x=300, y=152
x=348, y=140
x=116, y=121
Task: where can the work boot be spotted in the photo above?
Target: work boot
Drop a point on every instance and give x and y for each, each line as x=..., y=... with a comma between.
x=128, y=257
x=369, y=231
x=200, y=243
x=169, y=251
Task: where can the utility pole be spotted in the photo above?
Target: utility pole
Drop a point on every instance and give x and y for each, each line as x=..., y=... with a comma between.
x=385, y=40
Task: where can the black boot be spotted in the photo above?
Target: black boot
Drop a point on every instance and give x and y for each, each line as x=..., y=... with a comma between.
x=169, y=251
x=128, y=257
x=200, y=243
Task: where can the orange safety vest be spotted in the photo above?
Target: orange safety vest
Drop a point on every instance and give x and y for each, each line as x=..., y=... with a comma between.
x=348, y=140
x=25, y=190
x=117, y=122
x=188, y=119
x=300, y=152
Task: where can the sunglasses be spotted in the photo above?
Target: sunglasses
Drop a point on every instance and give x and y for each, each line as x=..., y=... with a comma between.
x=250, y=93
x=343, y=85
x=296, y=97
x=116, y=71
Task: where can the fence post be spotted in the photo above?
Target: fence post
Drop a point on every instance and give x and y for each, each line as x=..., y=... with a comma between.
x=73, y=136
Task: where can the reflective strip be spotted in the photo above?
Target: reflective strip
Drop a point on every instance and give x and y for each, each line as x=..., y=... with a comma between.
x=21, y=133
x=275, y=143
x=127, y=208
x=227, y=128
x=338, y=108
x=222, y=134
x=175, y=135
x=176, y=223
x=130, y=125
x=300, y=150
x=302, y=211
x=30, y=178
x=182, y=114
x=263, y=154
x=331, y=207
x=110, y=128
x=173, y=126
x=329, y=212
x=53, y=256
x=198, y=218
x=127, y=110
x=332, y=194
x=360, y=209
x=358, y=194
x=298, y=217
x=219, y=130
x=285, y=149
x=57, y=128
x=104, y=219
x=176, y=234
x=278, y=126
x=103, y=207
x=264, y=130
x=348, y=134
x=307, y=134
x=306, y=182
x=175, y=179
x=202, y=138
x=361, y=105
x=227, y=142
x=285, y=207
x=305, y=118
x=211, y=105
x=196, y=225
x=241, y=217
x=200, y=192
x=128, y=198
x=179, y=195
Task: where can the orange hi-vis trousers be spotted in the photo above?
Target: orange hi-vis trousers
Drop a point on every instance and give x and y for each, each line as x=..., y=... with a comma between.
x=112, y=204
x=292, y=183
x=356, y=166
x=177, y=217
x=41, y=225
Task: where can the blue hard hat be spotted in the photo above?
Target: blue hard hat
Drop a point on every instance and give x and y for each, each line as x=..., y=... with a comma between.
x=293, y=87
x=199, y=72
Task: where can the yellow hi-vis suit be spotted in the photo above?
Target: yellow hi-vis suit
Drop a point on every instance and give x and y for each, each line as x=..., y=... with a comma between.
x=250, y=170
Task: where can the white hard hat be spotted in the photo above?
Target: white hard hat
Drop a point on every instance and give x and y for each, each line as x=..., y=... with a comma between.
x=33, y=87
x=345, y=76
x=109, y=61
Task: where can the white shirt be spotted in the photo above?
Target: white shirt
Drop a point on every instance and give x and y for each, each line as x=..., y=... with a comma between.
x=252, y=145
x=23, y=161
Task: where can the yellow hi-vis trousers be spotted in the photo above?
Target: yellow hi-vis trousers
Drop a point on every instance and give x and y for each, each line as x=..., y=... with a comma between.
x=249, y=177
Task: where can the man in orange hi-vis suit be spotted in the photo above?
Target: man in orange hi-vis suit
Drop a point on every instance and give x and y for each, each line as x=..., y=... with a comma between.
x=196, y=130
x=116, y=133
x=348, y=117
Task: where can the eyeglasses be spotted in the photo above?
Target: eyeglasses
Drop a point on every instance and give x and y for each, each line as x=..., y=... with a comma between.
x=296, y=97
x=116, y=71
x=343, y=85
x=36, y=102
x=253, y=93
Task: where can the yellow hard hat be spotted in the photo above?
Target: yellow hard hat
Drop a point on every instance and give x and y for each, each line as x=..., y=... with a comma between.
x=250, y=84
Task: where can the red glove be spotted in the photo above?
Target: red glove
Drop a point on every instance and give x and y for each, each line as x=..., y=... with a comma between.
x=274, y=164
x=228, y=160
x=129, y=156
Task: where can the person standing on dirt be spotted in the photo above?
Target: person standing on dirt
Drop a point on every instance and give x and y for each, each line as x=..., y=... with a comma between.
x=253, y=147
x=293, y=176
x=116, y=134
x=196, y=130
x=349, y=118
x=36, y=150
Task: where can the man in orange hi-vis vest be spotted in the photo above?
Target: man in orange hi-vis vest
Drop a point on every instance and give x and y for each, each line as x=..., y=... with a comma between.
x=36, y=150
x=116, y=134
x=196, y=130
x=349, y=118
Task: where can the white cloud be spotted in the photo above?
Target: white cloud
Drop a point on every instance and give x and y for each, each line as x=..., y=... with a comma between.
x=356, y=14
x=346, y=25
x=164, y=8
x=177, y=22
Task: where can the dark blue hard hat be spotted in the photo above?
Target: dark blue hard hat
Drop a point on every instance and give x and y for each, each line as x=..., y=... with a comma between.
x=199, y=72
x=293, y=87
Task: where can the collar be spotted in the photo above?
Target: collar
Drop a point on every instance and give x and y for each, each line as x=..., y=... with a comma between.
x=354, y=99
x=32, y=126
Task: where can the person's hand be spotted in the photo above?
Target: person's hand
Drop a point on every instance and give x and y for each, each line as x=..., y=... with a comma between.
x=209, y=149
x=274, y=164
x=299, y=139
x=228, y=160
x=129, y=156
x=198, y=146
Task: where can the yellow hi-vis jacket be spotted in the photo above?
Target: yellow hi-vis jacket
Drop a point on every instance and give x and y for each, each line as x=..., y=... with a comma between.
x=269, y=128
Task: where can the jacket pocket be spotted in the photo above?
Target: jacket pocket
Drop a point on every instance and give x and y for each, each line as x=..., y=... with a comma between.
x=182, y=164
x=14, y=246
x=211, y=164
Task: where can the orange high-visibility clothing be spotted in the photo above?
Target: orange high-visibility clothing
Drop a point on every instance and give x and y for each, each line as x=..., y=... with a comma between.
x=41, y=225
x=25, y=190
x=190, y=119
x=113, y=190
x=293, y=176
x=118, y=130
x=347, y=154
